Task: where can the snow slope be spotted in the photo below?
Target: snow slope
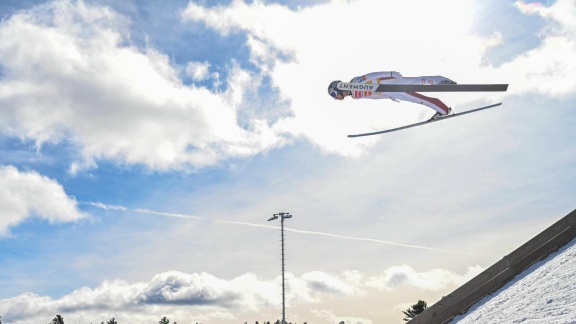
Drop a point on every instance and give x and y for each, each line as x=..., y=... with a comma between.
x=543, y=293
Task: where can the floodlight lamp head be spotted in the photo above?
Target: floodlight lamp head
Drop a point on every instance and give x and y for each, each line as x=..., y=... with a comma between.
x=287, y=216
x=273, y=218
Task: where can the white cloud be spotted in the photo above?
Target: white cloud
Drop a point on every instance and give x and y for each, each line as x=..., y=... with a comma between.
x=28, y=194
x=205, y=296
x=245, y=292
x=549, y=69
x=198, y=71
x=209, y=297
x=435, y=279
x=321, y=282
x=562, y=11
x=70, y=73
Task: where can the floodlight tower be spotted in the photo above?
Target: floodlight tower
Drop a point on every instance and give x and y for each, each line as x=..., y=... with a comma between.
x=282, y=216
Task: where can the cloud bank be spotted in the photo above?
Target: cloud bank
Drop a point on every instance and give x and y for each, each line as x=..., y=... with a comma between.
x=301, y=69
x=70, y=73
x=198, y=296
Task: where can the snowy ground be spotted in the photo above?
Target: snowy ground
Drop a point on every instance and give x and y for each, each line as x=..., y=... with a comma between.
x=544, y=293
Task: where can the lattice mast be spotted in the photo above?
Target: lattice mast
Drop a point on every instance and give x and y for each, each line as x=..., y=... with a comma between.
x=282, y=216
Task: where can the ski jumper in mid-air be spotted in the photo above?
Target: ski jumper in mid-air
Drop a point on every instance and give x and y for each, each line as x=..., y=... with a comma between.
x=391, y=77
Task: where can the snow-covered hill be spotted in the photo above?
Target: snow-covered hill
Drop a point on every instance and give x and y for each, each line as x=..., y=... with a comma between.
x=543, y=293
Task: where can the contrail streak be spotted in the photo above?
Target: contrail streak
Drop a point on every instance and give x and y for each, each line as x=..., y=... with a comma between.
x=383, y=242
x=152, y=212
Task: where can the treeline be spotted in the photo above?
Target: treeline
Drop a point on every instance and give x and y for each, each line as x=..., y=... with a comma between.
x=277, y=322
x=60, y=320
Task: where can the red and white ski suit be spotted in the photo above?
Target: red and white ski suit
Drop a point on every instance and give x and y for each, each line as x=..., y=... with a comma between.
x=391, y=77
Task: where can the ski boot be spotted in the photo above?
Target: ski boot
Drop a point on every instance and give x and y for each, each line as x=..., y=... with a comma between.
x=438, y=115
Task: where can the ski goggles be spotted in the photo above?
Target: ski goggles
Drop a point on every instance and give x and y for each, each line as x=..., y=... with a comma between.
x=335, y=92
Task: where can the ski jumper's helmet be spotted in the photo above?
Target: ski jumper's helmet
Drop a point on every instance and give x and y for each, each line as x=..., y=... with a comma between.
x=333, y=91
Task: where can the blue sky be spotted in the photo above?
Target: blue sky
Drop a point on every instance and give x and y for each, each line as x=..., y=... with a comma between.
x=144, y=146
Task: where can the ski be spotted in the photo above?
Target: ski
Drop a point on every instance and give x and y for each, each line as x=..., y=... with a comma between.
x=421, y=87
x=426, y=122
